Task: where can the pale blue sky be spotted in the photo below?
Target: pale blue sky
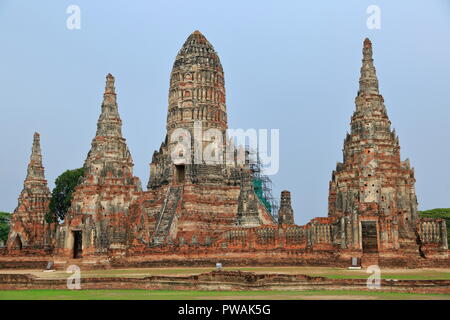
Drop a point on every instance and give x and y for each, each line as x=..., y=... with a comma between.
x=292, y=65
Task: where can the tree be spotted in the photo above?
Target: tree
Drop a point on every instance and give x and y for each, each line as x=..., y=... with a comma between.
x=62, y=194
x=4, y=225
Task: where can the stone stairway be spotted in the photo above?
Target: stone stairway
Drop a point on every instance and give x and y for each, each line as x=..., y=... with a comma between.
x=209, y=169
x=369, y=259
x=166, y=215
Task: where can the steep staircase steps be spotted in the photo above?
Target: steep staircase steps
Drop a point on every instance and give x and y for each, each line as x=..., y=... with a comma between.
x=167, y=213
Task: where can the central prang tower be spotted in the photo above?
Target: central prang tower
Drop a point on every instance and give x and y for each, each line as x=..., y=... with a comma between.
x=197, y=87
x=196, y=165
x=196, y=119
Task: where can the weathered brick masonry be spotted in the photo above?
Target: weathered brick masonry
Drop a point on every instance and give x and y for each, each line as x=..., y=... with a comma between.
x=201, y=208
x=226, y=280
x=29, y=233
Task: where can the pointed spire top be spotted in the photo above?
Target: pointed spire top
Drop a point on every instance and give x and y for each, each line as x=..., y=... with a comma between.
x=109, y=155
x=195, y=41
x=109, y=88
x=199, y=37
x=197, y=50
x=367, y=50
x=35, y=168
x=109, y=123
x=368, y=82
x=36, y=154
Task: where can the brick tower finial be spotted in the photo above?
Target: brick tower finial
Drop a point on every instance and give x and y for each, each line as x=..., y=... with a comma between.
x=368, y=82
x=285, y=214
x=109, y=122
x=35, y=169
x=109, y=87
x=199, y=36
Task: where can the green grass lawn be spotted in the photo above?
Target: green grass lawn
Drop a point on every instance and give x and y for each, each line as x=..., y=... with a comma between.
x=206, y=295
x=335, y=273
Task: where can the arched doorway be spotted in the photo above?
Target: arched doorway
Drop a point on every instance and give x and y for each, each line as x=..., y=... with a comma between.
x=17, y=243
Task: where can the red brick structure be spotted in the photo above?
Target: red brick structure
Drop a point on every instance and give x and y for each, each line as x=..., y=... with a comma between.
x=372, y=192
x=285, y=214
x=29, y=232
x=201, y=204
x=97, y=221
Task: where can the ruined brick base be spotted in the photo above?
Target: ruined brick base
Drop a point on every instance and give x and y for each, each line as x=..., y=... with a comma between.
x=226, y=280
x=201, y=258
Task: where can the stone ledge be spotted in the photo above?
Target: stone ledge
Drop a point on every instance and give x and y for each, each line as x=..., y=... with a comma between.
x=225, y=280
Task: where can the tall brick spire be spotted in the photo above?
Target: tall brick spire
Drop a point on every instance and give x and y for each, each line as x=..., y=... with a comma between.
x=35, y=169
x=372, y=178
x=102, y=200
x=368, y=82
x=109, y=151
x=109, y=122
x=27, y=221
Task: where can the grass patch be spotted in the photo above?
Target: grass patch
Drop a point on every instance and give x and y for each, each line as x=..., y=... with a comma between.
x=193, y=295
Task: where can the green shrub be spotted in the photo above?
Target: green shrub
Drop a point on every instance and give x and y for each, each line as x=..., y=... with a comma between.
x=4, y=225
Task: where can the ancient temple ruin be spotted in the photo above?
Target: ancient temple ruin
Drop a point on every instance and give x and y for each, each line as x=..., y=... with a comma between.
x=97, y=220
x=28, y=226
x=372, y=191
x=201, y=204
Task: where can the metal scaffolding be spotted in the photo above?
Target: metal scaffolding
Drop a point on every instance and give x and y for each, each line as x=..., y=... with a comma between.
x=262, y=183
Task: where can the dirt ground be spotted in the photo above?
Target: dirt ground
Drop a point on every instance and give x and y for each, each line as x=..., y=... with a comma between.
x=335, y=273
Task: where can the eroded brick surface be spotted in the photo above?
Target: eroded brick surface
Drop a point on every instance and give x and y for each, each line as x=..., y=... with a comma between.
x=197, y=212
x=100, y=207
x=29, y=233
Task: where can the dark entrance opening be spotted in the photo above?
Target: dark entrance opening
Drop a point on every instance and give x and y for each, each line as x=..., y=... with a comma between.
x=77, y=244
x=180, y=173
x=369, y=236
x=17, y=244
